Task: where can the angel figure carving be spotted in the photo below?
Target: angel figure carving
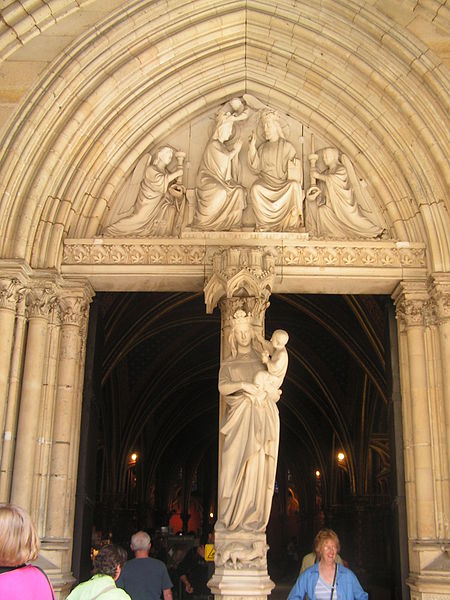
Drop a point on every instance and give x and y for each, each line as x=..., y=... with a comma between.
x=337, y=206
x=160, y=203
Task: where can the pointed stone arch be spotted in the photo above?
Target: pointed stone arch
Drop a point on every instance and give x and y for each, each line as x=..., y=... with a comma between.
x=360, y=75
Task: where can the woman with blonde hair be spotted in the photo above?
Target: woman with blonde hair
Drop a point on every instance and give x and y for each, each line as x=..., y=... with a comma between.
x=326, y=579
x=19, y=544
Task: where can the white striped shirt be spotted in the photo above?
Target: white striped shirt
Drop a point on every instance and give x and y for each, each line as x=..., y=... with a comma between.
x=323, y=590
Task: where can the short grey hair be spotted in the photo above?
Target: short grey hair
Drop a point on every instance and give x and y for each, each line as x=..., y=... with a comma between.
x=140, y=540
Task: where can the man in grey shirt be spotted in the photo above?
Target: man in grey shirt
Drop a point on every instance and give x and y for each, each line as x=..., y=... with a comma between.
x=144, y=578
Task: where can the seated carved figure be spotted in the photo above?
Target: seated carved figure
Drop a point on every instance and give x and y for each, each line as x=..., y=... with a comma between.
x=220, y=200
x=337, y=206
x=276, y=195
x=160, y=202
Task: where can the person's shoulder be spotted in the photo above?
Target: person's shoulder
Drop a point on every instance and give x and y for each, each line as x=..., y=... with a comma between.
x=156, y=563
x=120, y=594
x=345, y=571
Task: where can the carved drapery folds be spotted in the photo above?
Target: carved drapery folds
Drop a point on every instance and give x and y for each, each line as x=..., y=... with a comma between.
x=247, y=176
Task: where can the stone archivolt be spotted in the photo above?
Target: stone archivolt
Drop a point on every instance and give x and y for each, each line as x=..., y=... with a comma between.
x=91, y=115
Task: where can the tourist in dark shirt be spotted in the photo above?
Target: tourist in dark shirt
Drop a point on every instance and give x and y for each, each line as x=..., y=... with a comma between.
x=194, y=572
x=145, y=578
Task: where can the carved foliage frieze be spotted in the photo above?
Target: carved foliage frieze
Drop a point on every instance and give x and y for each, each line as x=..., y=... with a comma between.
x=88, y=252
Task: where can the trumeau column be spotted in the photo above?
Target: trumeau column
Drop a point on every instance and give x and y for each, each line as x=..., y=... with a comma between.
x=424, y=415
x=241, y=284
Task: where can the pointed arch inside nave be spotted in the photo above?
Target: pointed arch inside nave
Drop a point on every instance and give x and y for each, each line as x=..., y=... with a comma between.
x=153, y=391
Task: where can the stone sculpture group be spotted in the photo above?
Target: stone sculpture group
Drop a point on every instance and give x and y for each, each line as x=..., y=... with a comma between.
x=334, y=206
x=249, y=381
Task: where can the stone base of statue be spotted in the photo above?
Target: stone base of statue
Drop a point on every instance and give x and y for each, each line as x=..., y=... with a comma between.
x=241, y=566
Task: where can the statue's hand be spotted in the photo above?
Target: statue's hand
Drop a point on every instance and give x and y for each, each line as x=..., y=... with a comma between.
x=312, y=193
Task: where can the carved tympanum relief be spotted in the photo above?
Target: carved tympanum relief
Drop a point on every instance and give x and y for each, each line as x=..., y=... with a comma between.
x=244, y=171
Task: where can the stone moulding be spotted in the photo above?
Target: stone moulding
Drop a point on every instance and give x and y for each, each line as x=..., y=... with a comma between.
x=185, y=263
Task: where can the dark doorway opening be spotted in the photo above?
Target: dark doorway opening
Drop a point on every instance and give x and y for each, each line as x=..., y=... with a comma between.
x=148, y=449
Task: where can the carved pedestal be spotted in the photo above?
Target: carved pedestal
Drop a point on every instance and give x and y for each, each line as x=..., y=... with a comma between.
x=241, y=566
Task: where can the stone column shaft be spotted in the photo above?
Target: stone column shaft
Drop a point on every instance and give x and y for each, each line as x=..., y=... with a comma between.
x=444, y=342
x=412, y=305
x=30, y=400
x=10, y=429
x=440, y=294
x=66, y=422
x=421, y=433
x=8, y=300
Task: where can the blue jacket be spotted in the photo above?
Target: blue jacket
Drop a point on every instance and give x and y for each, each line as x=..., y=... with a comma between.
x=347, y=585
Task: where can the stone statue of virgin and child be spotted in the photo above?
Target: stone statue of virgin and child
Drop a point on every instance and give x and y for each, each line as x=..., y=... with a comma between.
x=249, y=382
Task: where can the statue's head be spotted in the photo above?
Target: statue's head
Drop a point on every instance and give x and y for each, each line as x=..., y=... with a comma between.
x=279, y=338
x=224, y=126
x=330, y=156
x=165, y=155
x=271, y=124
x=241, y=335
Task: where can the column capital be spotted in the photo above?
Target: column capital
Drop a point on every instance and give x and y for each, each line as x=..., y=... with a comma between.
x=412, y=303
x=240, y=272
x=40, y=301
x=439, y=289
x=10, y=291
x=73, y=310
x=72, y=302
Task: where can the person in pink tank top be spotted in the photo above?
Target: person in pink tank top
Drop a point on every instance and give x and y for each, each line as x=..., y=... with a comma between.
x=19, y=544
